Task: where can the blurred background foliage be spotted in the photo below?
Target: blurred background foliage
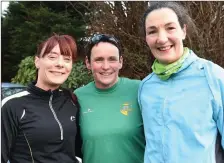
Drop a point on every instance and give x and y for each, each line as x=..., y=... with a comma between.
x=27, y=72
x=27, y=23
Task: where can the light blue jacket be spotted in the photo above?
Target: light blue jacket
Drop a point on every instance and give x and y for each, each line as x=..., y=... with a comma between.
x=183, y=114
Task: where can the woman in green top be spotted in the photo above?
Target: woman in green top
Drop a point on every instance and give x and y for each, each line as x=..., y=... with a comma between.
x=110, y=119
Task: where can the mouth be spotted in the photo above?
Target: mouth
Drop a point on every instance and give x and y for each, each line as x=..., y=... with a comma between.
x=165, y=48
x=57, y=73
x=106, y=73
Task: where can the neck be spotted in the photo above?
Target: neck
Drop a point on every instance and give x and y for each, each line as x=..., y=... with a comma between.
x=46, y=87
x=106, y=86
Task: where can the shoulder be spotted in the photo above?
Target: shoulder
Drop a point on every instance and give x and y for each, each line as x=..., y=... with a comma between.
x=67, y=93
x=12, y=105
x=15, y=98
x=146, y=79
x=213, y=70
x=130, y=81
x=85, y=88
x=215, y=77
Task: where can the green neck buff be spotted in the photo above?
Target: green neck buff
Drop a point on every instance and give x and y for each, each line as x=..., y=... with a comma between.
x=165, y=71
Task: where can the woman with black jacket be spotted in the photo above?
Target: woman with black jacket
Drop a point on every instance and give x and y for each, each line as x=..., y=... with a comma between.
x=39, y=124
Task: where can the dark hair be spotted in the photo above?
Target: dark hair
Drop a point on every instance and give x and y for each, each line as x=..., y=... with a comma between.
x=97, y=38
x=66, y=43
x=181, y=12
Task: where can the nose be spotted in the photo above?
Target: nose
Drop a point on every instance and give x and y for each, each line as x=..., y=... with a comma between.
x=105, y=65
x=162, y=37
x=60, y=61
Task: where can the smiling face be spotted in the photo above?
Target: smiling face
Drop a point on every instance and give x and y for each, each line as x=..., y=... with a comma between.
x=53, y=69
x=105, y=64
x=164, y=35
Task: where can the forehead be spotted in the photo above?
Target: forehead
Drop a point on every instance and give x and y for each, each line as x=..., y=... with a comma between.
x=161, y=17
x=104, y=50
x=56, y=48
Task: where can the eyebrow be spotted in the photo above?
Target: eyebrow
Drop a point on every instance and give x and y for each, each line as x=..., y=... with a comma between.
x=98, y=58
x=113, y=57
x=110, y=57
x=154, y=27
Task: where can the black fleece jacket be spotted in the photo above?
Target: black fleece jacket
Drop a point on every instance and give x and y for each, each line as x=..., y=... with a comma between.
x=39, y=126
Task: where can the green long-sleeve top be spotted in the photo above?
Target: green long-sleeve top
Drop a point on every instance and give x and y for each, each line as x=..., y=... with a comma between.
x=111, y=123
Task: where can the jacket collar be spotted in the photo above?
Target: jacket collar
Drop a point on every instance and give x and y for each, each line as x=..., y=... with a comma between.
x=40, y=92
x=192, y=57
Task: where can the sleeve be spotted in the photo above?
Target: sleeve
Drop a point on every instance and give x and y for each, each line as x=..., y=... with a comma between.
x=139, y=95
x=220, y=121
x=140, y=88
x=215, y=78
x=218, y=93
x=9, y=131
x=78, y=139
x=219, y=152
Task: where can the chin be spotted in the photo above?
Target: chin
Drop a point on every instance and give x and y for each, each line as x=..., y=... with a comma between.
x=105, y=83
x=57, y=79
x=167, y=60
x=58, y=83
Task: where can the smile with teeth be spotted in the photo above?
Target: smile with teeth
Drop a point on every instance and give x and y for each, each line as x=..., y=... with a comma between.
x=165, y=48
x=106, y=73
x=57, y=73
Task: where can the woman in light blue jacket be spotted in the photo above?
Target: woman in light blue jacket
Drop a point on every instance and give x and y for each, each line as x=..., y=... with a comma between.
x=182, y=101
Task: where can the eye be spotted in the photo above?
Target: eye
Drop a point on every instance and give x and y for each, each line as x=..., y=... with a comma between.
x=67, y=58
x=52, y=56
x=151, y=32
x=171, y=28
x=98, y=59
x=112, y=59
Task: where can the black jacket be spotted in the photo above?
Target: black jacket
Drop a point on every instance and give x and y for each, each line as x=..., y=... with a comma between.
x=39, y=127
x=219, y=150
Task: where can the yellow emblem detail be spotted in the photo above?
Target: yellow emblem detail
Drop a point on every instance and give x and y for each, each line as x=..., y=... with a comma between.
x=125, y=109
x=125, y=112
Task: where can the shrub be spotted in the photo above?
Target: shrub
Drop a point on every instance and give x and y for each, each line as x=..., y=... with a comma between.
x=27, y=73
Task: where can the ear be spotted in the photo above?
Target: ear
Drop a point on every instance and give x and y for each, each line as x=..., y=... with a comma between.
x=37, y=62
x=88, y=65
x=184, y=30
x=120, y=62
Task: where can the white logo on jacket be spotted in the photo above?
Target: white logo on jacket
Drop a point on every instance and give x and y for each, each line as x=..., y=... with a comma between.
x=72, y=118
x=88, y=111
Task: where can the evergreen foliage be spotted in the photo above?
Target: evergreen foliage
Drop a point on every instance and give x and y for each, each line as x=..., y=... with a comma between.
x=27, y=23
x=27, y=73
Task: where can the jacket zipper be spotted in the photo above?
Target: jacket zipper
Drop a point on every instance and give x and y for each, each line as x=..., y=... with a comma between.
x=55, y=116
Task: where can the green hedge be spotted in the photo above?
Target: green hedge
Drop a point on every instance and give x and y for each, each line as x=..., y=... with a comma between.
x=27, y=73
